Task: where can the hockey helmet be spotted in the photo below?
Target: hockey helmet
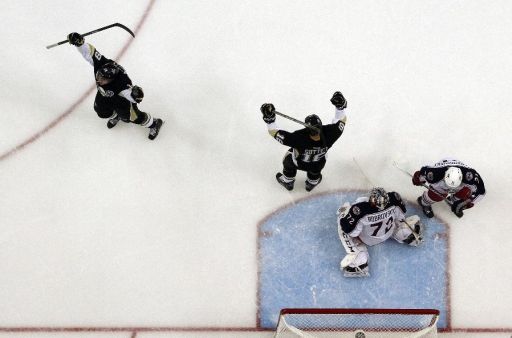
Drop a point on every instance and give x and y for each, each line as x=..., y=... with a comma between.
x=379, y=198
x=108, y=71
x=314, y=121
x=453, y=177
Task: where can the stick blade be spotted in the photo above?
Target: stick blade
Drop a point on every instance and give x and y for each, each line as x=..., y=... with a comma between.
x=125, y=28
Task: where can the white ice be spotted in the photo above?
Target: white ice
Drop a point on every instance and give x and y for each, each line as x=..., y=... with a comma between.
x=104, y=228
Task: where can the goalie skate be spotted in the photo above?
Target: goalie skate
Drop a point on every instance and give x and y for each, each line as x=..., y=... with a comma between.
x=358, y=271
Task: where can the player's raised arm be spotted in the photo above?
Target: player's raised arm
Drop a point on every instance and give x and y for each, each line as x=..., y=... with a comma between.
x=85, y=49
x=340, y=103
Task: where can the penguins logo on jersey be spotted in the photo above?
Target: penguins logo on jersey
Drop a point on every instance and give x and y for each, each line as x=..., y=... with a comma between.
x=106, y=93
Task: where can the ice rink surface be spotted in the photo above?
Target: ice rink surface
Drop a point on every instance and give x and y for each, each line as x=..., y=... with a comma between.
x=104, y=233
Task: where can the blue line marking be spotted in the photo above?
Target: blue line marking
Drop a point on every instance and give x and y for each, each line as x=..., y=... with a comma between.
x=300, y=253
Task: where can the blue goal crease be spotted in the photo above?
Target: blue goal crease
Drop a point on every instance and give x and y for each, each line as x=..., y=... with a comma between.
x=300, y=252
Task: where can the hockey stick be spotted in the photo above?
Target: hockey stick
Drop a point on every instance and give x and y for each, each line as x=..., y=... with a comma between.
x=414, y=233
x=95, y=31
x=425, y=185
x=298, y=121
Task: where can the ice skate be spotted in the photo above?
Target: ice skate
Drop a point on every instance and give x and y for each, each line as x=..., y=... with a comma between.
x=287, y=185
x=427, y=209
x=113, y=122
x=155, y=129
x=310, y=186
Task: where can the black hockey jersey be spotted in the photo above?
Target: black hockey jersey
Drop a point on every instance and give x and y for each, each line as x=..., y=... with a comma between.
x=306, y=150
x=120, y=83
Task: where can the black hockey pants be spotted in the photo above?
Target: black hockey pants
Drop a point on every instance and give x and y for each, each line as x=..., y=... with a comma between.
x=129, y=112
x=313, y=169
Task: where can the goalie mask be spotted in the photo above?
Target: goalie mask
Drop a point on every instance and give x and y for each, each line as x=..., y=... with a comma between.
x=379, y=198
x=453, y=177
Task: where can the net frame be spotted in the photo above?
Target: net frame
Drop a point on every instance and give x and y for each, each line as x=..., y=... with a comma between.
x=283, y=328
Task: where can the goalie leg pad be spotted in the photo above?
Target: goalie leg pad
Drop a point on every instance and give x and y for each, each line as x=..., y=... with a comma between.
x=355, y=263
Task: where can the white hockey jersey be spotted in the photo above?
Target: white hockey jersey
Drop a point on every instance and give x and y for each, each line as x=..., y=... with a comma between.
x=371, y=225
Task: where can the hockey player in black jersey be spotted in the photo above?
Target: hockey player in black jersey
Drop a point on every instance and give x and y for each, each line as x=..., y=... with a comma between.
x=309, y=146
x=450, y=180
x=116, y=98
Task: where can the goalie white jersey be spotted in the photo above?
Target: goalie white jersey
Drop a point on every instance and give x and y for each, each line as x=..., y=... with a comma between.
x=370, y=221
x=371, y=225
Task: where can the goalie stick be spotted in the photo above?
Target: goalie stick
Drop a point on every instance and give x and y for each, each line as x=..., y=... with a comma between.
x=93, y=32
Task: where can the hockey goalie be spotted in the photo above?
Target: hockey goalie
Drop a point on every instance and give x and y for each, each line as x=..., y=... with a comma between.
x=372, y=220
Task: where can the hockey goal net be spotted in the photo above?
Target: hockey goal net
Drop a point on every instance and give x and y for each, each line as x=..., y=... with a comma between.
x=357, y=323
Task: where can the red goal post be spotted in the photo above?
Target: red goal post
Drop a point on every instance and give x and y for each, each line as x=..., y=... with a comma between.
x=357, y=323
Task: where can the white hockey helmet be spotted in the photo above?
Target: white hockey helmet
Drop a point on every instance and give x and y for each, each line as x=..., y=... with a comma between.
x=378, y=198
x=453, y=177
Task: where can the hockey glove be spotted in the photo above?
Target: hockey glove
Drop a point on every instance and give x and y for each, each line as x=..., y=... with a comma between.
x=137, y=94
x=75, y=39
x=459, y=206
x=339, y=101
x=269, y=113
x=417, y=179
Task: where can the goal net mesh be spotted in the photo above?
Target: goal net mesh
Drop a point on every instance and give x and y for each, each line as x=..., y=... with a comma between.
x=357, y=323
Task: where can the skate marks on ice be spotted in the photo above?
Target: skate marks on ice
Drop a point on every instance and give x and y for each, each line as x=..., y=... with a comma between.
x=300, y=252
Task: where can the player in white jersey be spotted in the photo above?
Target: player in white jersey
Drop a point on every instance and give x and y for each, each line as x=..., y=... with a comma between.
x=372, y=220
x=450, y=180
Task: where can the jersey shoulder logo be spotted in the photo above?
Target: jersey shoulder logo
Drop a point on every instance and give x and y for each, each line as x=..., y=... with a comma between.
x=106, y=93
x=430, y=176
x=97, y=55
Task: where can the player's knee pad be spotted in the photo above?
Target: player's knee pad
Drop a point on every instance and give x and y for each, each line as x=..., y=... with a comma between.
x=409, y=231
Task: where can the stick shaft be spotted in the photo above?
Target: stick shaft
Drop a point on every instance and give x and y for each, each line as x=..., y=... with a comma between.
x=95, y=31
x=297, y=121
x=425, y=185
